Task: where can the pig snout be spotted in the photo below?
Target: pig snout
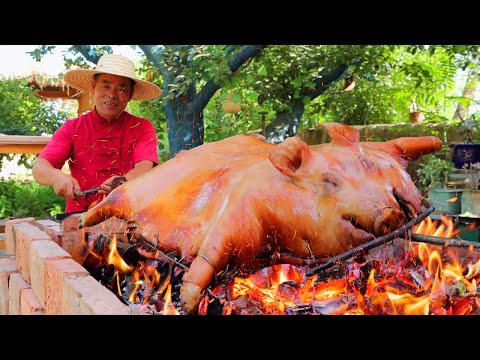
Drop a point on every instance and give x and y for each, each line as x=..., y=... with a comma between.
x=387, y=220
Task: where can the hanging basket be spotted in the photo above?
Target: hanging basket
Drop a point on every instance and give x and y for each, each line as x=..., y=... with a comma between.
x=230, y=107
x=416, y=117
x=349, y=83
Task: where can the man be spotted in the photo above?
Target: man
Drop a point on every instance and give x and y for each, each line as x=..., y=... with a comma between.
x=106, y=142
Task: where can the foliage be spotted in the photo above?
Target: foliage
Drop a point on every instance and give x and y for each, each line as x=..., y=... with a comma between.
x=384, y=91
x=281, y=76
x=24, y=198
x=153, y=111
x=434, y=172
x=469, y=127
x=23, y=113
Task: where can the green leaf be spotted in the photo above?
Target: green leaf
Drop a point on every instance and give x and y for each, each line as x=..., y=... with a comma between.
x=262, y=71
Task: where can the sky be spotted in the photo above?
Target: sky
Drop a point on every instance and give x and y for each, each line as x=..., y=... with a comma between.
x=14, y=61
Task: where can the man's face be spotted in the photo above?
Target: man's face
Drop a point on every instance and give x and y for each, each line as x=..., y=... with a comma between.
x=112, y=94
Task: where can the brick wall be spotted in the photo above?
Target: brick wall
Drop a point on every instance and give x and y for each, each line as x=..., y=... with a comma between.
x=41, y=273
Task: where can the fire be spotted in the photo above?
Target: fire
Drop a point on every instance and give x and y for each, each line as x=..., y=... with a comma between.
x=139, y=285
x=115, y=259
x=423, y=280
x=403, y=278
x=441, y=228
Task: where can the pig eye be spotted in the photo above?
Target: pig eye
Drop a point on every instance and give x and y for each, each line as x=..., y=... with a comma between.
x=330, y=180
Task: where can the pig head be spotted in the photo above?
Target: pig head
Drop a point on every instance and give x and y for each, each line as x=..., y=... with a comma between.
x=241, y=201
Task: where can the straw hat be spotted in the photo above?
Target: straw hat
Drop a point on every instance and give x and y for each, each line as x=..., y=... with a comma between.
x=115, y=65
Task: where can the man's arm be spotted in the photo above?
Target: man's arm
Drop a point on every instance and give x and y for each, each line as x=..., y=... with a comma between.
x=46, y=174
x=140, y=168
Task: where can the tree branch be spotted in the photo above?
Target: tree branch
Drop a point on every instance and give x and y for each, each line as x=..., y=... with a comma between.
x=324, y=82
x=154, y=54
x=87, y=52
x=240, y=57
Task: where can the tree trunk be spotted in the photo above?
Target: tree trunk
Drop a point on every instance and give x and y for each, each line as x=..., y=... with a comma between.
x=185, y=127
x=286, y=123
x=184, y=112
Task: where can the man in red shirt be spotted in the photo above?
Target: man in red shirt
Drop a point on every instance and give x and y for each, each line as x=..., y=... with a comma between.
x=104, y=143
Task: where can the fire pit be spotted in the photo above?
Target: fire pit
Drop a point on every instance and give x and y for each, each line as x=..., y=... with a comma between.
x=413, y=274
x=417, y=269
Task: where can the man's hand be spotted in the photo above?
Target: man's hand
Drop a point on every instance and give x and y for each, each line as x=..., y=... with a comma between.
x=64, y=185
x=45, y=174
x=111, y=183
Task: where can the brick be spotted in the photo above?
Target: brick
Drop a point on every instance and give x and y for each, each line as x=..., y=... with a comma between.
x=47, y=224
x=86, y=296
x=15, y=286
x=29, y=303
x=7, y=267
x=52, y=228
x=55, y=272
x=75, y=243
x=70, y=223
x=55, y=236
x=40, y=252
x=3, y=244
x=10, y=234
x=25, y=234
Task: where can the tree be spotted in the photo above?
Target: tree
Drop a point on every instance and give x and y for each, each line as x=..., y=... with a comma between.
x=23, y=113
x=182, y=73
x=282, y=83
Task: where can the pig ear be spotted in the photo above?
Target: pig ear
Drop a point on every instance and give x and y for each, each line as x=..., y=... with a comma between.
x=341, y=134
x=409, y=148
x=289, y=155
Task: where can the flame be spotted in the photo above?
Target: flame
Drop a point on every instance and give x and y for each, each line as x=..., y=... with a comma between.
x=441, y=228
x=424, y=279
x=115, y=259
x=169, y=308
x=422, y=282
x=473, y=270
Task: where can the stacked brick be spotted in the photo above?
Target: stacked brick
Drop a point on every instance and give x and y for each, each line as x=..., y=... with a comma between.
x=41, y=273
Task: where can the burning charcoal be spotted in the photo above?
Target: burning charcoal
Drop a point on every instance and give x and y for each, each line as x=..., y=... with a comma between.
x=263, y=277
x=359, y=257
x=203, y=305
x=417, y=278
x=399, y=286
x=298, y=310
x=246, y=306
x=334, y=306
x=101, y=244
x=93, y=264
x=335, y=272
x=464, y=306
x=353, y=270
x=287, y=291
x=213, y=305
x=456, y=289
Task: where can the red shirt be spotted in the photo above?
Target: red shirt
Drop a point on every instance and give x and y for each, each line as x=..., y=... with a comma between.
x=97, y=149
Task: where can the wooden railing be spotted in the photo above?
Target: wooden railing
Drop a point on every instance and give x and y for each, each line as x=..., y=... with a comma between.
x=19, y=144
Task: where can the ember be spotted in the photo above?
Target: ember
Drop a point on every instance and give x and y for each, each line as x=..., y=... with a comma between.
x=398, y=278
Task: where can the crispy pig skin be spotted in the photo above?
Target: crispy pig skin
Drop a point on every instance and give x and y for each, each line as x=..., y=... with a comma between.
x=240, y=200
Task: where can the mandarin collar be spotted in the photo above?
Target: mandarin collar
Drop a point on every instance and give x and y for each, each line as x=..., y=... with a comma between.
x=97, y=116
